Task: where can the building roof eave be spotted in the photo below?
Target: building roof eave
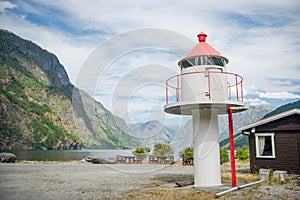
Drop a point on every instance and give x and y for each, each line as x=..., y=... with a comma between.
x=270, y=119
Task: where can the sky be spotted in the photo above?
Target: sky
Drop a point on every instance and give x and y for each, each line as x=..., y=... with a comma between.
x=122, y=52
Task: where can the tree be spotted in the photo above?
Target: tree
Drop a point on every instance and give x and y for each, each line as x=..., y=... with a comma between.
x=162, y=150
x=141, y=152
x=242, y=153
x=223, y=156
x=187, y=152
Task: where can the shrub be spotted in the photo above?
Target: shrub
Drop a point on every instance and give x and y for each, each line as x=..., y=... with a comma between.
x=187, y=152
x=223, y=156
x=141, y=152
x=242, y=153
x=162, y=150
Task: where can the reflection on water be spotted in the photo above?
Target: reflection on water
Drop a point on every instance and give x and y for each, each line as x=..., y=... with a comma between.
x=66, y=155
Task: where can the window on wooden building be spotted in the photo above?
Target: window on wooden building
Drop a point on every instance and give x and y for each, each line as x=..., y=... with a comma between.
x=265, y=147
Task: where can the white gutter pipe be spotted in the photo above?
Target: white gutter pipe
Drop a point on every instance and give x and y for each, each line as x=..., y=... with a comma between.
x=237, y=188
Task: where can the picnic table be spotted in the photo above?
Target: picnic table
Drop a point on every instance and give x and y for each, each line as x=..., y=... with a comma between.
x=187, y=161
x=128, y=160
x=161, y=160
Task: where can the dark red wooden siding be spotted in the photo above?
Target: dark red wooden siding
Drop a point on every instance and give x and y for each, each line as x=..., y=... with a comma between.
x=286, y=137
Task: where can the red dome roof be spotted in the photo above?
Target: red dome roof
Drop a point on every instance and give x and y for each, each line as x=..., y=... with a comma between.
x=203, y=49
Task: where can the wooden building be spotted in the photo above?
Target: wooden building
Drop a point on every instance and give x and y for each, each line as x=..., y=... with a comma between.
x=274, y=142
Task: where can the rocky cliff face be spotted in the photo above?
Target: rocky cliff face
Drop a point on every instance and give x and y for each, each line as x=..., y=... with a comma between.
x=15, y=47
x=41, y=109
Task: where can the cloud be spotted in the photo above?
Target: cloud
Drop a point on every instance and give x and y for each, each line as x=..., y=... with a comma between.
x=4, y=5
x=278, y=95
x=255, y=102
x=140, y=88
x=71, y=51
x=261, y=40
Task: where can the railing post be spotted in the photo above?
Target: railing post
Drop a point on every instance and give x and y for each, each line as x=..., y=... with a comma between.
x=208, y=82
x=229, y=90
x=167, y=95
x=177, y=88
x=236, y=88
x=242, y=91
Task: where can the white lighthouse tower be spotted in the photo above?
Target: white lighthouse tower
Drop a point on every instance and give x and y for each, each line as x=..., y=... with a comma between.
x=204, y=89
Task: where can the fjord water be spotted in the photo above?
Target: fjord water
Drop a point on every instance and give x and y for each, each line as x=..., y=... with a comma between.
x=66, y=155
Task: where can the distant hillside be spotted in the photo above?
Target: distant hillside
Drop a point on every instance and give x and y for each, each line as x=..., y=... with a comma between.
x=41, y=109
x=253, y=113
x=185, y=135
x=284, y=108
x=152, y=132
x=241, y=140
x=180, y=137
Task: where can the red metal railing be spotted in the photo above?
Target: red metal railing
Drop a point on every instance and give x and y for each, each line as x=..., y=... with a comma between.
x=233, y=81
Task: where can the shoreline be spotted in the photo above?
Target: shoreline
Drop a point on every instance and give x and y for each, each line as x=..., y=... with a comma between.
x=50, y=162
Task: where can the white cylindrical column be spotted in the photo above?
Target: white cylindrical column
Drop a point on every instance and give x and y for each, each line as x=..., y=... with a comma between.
x=206, y=148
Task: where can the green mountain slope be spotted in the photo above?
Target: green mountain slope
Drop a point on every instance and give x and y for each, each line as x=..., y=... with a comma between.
x=40, y=108
x=239, y=141
x=284, y=108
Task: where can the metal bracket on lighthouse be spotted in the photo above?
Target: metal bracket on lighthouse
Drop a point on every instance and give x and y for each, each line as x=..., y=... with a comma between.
x=231, y=139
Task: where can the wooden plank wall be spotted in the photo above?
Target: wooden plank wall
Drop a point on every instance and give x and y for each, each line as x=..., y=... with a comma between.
x=287, y=152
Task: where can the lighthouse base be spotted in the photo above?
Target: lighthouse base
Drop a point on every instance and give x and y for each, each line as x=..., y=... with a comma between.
x=206, y=148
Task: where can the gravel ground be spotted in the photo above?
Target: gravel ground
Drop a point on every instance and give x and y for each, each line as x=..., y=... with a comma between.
x=289, y=190
x=89, y=181
x=79, y=181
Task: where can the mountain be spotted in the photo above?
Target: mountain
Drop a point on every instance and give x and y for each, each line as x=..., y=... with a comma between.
x=152, y=132
x=180, y=137
x=284, y=108
x=184, y=137
x=253, y=114
x=240, y=140
x=41, y=109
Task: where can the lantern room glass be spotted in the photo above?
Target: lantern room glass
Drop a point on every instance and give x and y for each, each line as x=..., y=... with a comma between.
x=202, y=60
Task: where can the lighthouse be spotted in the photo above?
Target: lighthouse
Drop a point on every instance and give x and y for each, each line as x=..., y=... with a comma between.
x=204, y=89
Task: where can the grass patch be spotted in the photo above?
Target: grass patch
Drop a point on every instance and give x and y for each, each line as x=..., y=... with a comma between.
x=168, y=193
x=241, y=178
x=238, y=164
